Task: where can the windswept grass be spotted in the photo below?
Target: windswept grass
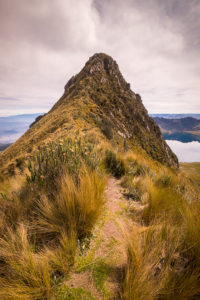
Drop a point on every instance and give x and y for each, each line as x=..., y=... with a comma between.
x=163, y=203
x=150, y=255
x=23, y=274
x=44, y=225
x=34, y=257
x=47, y=225
x=74, y=209
x=163, y=260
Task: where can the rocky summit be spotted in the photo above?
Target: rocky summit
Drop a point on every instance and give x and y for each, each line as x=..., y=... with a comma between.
x=98, y=101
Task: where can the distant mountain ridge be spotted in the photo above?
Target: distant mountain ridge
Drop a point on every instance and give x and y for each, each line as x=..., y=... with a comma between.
x=182, y=129
x=183, y=124
x=4, y=146
x=175, y=116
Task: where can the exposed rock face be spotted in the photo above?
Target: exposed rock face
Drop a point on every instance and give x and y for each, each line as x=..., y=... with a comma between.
x=98, y=97
x=69, y=84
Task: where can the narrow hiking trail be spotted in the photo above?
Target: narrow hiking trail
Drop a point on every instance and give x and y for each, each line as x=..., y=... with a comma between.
x=101, y=270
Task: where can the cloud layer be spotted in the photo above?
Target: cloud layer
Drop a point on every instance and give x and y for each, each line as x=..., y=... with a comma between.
x=156, y=44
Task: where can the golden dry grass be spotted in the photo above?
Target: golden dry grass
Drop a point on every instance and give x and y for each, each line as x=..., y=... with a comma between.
x=39, y=238
x=163, y=260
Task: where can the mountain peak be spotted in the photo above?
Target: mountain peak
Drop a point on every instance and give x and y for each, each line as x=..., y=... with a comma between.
x=98, y=99
x=105, y=64
x=104, y=61
x=102, y=69
x=101, y=62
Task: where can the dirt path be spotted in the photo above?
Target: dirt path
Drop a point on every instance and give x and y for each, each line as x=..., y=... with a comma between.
x=110, y=249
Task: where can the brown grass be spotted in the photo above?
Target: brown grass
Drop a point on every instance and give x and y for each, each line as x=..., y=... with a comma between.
x=40, y=235
x=163, y=261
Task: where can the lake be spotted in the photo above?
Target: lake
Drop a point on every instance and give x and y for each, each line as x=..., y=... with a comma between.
x=186, y=152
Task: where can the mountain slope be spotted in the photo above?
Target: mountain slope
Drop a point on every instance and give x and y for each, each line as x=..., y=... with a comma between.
x=99, y=102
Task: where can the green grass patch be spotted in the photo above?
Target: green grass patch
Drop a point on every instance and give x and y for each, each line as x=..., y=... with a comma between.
x=75, y=294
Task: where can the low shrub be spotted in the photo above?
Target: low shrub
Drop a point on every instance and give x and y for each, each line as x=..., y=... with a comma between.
x=51, y=161
x=11, y=169
x=106, y=128
x=20, y=163
x=114, y=164
x=133, y=188
x=136, y=169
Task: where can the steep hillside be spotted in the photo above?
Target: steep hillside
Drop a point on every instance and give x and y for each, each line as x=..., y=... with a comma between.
x=97, y=100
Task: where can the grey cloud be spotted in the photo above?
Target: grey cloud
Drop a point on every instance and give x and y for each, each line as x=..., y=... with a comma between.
x=155, y=42
x=9, y=99
x=54, y=24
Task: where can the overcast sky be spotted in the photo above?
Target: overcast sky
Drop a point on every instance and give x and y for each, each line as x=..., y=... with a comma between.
x=156, y=44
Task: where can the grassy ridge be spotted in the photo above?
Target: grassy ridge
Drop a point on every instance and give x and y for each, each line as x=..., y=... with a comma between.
x=47, y=225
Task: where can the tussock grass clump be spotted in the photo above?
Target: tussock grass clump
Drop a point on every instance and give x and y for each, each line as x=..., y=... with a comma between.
x=29, y=274
x=163, y=259
x=23, y=275
x=151, y=256
x=114, y=164
x=74, y=208
x=20, y=163
x=106, y=128
x=163, y=262
x=134, y=187
x=135, y=168
x=191, y=228
x=36, y=256
x=162, y=203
